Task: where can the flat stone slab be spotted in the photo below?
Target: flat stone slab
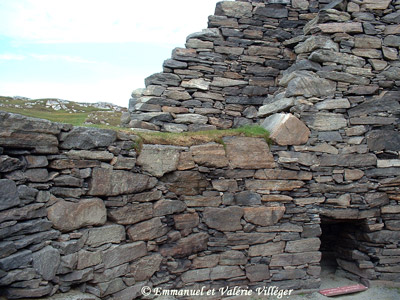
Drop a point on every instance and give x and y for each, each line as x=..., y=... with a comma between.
x=344, y=290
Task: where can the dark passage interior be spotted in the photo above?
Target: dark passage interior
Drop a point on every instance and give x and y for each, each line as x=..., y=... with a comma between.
x=342, y=251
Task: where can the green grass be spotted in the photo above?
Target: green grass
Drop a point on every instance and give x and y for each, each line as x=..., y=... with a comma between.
x=200, y=137
x=78, y=117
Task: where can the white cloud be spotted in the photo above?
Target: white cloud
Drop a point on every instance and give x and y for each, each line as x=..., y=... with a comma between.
x=10, y=56
x=76, y=21
x=74, y=59
x=116, y=90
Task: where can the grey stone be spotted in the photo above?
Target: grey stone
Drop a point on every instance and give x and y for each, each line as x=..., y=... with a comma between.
x=17, y=293
x=46, y=262
x=272, y=11
x=232, y=258
x=379, y=140
x=88, y=259
x=18, y=275
x=22, y=132
x=303, y=245
x=174, y=64
x=197, y=83
x=227, y=82
x=247, y=198
x=9, y=195
x=223, y=219
x=186, y=246
x=145, y=267
x=165, y=79
x=344, y=77
x=267, y=249
x=286, y=129
x=189, y=183
x=306, y=83
x=85, y=154
x=6, y=249
x=392, y=18
x=257, y=273
x=333, y=104
x=105, y=234
x=197, y=275
x=323, y=55
x=167, y=207
x=324, y=121
x=17, y=260
x=87, y=138
x=206, y=34
x=9, y=164
x=393, y=73
x=392, y=40
x=131, y=213
x=27, y=194
x=68, y=216
x=107, y=182
x=226, y=272
x=275, y=106
x=37, y=238
x=316, y=42
x=295, y=259
x=349, y=160
x=263, y=216
x=109, y=274
x=27, y=227
x=234, y=9
x=147, y=230
x=159, y=159
x=387, y=103
x=191, y=119
x=118, y=255
x=239, y=156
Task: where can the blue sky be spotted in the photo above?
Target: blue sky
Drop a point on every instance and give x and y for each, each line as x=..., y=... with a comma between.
x=91, y=50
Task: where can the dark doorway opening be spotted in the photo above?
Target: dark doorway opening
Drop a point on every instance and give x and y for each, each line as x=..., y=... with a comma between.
x=342, y=250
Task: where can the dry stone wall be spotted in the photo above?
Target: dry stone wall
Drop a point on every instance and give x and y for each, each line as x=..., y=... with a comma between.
x=81, y=208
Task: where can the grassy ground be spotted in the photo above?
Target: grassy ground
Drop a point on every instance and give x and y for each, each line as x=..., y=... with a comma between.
x=72, y=112
x=86, y=115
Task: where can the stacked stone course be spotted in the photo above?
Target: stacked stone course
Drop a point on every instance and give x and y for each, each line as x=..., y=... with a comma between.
x=80, y=208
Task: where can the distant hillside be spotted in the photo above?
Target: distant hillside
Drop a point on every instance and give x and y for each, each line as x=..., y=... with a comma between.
x=64, y=111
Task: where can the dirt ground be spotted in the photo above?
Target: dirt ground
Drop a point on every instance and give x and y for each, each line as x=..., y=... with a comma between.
x=330, y=279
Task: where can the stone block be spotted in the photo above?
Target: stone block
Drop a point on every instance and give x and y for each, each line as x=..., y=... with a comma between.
x=197, y=275
x=67, y=216
x=210, y=155
x=267, y=249
x=147, y=230
x=303, y=245
x=323, y=55
x=295, y=259
x=16, y=260
x=273, y=185
x=46, y=262
x=232, y=258
x=186, y=221
x=324, y=121
x=9, y=194
x=131, y=213
x=88, y=259
x=264, y=216
x=202, y=201
x=87, y=138
x=186, y=246
x=159, y=159
x=188, y=183
x=163, y=79
x=223, y=219
x=257, y=273
x=349, y=160
x=277, y=11
x=108, y=182
x=121, y=254
x=316, y=42
x=145, y=267
x=248, y=153
x=226, y=272
x=234, y=9
x=286, y=129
